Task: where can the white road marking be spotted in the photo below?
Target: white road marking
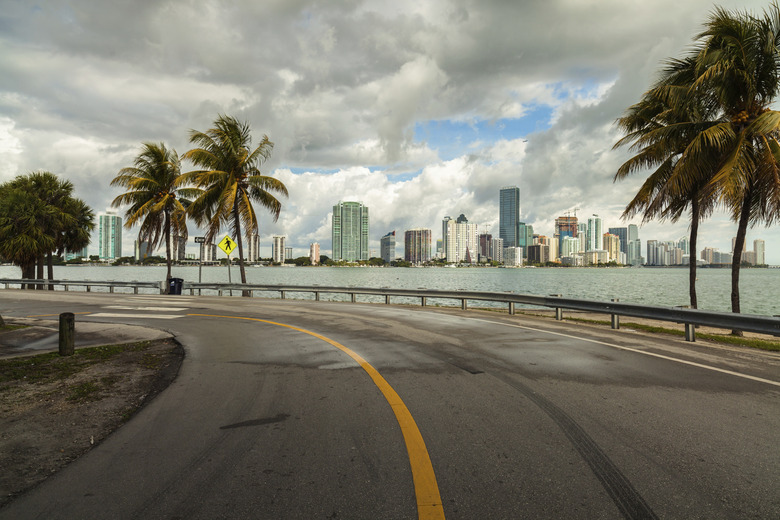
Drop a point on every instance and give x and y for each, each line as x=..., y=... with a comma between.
x=629, y=349
x=153, y=309
x=147, y=316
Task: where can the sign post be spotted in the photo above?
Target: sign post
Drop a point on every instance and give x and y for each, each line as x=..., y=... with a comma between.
x=227, y=245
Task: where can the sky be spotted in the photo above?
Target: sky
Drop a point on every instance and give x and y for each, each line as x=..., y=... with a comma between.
x=418, y=109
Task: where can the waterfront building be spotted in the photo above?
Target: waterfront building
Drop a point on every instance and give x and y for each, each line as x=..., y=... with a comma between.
x=178, y=248
x=110, y=236
x=350, y=231
x=582, y=234
x=253, y=248
x=484, y=246
x=749, y=257
x=387, y=247
x=288, y=253
x=565, y=226
x=496, y=252
x=526, y=236
x=594, y=238
x=277, y=249
x=595, y=257
x=652, y=253
x=509, y=216
x=612, y=246
x=760, y=248
x=208, y=252
x=459, y=240
x=417, y=245
x=708, y=254
x=538, y=254
x=570, y=246
x=634, y=254
x=684, y=244
x=513, y=256
x=314, y=253
x=622, y=234
x=439, y=248
x=573, y=260
x=140, y=250
x=83, y=253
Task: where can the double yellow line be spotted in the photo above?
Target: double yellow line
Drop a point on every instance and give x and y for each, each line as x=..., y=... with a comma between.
x=426, y=490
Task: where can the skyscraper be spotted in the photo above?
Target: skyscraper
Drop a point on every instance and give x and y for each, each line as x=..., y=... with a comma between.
x=387, y=247
x=594, y=238
x=254, y=248
x=509, y=215
x=760, y=249
x=110, y=236
x=278, y=249
x=314, y=253
x=417, y=245
x=350, y=232
x=565, y=226
x=459, y=240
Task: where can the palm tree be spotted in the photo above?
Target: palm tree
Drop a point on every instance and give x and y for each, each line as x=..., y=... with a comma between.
x=77, y=237
x=662, y=127
x=230, y=180
x=157, y=197
x=739, y=64
x=23, y=235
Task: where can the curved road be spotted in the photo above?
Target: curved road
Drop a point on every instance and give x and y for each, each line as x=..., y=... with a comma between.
x=297, y=409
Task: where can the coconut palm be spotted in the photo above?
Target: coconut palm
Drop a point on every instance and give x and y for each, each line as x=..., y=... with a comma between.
x=157, y=197
x=230, y=180
x=77, y=237
x=739, y=65
x=662, y=127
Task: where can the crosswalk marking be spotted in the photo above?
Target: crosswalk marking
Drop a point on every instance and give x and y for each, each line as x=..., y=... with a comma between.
x=146, y=316
x=131, y=308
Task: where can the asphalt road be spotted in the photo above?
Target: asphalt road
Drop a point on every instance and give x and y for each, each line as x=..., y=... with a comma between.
x=276, y=413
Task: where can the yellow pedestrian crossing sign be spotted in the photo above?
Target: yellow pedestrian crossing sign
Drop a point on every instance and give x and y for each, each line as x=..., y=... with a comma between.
x=227, y=245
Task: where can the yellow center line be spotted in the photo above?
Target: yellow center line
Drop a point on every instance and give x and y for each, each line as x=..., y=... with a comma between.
x=47, y=315
x=426, y=489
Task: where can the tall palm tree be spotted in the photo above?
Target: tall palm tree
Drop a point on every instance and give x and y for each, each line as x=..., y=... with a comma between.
x=662, y=127
x=230, y=180
x=739, y=64
x=157, y=197
x=77, y=237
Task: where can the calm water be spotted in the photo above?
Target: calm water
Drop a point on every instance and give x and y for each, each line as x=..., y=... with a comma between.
x=636, y=285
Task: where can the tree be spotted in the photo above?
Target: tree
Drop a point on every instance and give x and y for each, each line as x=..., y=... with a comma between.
x=739, y=64
x=157, y=197
x=662, y=127
x=230, y=180
x=77, y=237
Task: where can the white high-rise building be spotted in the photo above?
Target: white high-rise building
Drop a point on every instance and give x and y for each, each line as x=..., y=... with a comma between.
x=278, y=249
x=497, y=250
x=314, y=253
x=110, y=236
x=760, y=249
x=208, y=252
x=254, y=248
x=513, y=256
x=582, y=236
x=459, y=239
x=594, y=238
x=570, y=246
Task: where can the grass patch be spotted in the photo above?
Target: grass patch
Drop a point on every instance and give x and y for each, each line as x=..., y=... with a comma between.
x=12, y=327
x=83, y=391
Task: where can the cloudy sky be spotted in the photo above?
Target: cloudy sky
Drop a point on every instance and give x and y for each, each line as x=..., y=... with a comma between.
x=419, y=109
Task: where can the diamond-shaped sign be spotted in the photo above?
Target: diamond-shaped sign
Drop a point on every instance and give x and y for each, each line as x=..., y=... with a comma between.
x=227, y=244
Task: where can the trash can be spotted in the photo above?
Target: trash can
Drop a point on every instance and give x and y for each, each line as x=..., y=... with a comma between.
x=175, y=285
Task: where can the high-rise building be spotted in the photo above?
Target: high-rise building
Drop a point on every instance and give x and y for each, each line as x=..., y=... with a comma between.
x=140, y=250
x=509, y=216
x=83, y=253
x=484, y=246
x=684, y=244
x=526, y=235
x=582, y=234
x=208, y=252
x=387, y=247
x=496, y=252
x=760, y=249
x=565, y=227
x=513, y=256
x=459, y=240
x=611, y=246
x=570, y=246
x=110, y=236
x=634, y=254
x=417, y=245
x=314, y=253
x=594, y=238
x=350, y=232
x=178, y=247
x=622, y=234
x=278, y=249
x=288, y=253
x=254, y=248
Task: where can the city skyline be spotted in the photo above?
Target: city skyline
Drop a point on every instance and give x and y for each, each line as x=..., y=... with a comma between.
x=415, y=129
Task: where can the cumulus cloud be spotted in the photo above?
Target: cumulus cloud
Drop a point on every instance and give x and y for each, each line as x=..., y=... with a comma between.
x=507, y=93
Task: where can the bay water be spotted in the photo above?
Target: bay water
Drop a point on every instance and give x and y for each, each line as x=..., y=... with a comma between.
x=647, y=286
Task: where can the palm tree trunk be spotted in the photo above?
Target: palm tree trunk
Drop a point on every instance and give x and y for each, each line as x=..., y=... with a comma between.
x=168, y=252
x=736, y=261
x=692, y=253
x=240, y=243
x=50, y=268
x=39, y=272
x=28, y=273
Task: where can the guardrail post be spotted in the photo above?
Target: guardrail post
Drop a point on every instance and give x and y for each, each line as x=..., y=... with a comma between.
x=422, y=301
x=111, y=289
x=89, y=288
x=463, y=305
x=387, y=299
x=66, y=286
x=67, y=333
x=615, y=318
x=219, y=293
x=316, y=296
x=511, y=308
x=135, y=290
x=282, y=294
x=558, y=310
x=352, y=296
x=690, y=332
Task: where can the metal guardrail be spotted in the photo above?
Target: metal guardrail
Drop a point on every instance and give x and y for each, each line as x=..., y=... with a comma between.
x=689, y=317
